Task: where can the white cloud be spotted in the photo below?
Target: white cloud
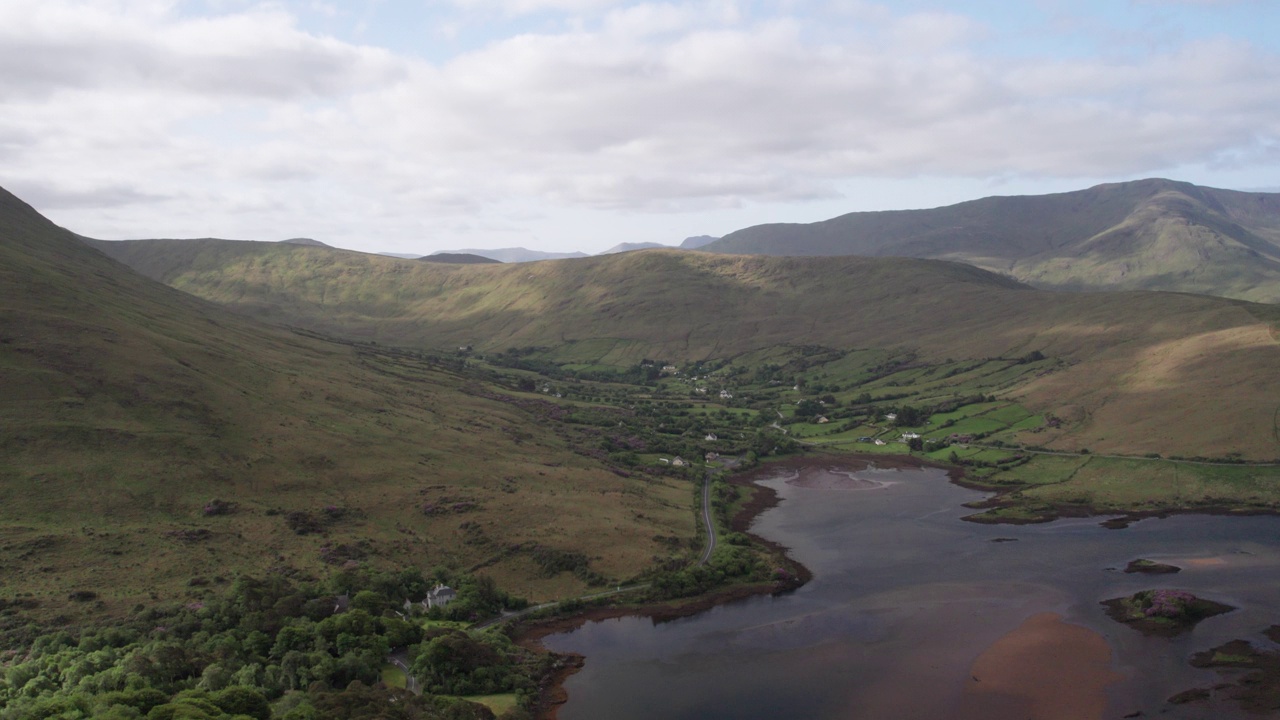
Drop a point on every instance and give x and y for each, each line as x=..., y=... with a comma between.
x=54, y=45
x=524, y=7
x=133, y=120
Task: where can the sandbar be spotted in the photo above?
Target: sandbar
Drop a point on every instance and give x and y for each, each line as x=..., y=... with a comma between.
x=1046, y=669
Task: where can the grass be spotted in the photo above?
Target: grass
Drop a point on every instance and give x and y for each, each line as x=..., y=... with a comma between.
x=139, y=404
x=499, y=704
x=393, y=676
x=134, y=404
x=1131, y=485
x=1115, y=364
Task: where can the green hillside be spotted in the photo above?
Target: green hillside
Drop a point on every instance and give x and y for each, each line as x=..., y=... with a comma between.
x=1136, y=367
x=1143, y=235
x=128, y=407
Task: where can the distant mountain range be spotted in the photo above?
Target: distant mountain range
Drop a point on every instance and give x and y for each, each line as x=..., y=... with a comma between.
x=697, y=241
x=459, y=259
x=514, y=255
x=519, y=254
x=1148, y=234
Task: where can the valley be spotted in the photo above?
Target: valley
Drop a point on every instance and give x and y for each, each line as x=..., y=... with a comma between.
x=188, y=421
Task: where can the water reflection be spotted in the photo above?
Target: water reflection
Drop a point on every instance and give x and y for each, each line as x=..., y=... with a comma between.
x=906, y=598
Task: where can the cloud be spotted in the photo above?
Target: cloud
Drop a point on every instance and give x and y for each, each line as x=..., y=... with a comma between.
x=250, y=123
x=524, y=7
x=50, y=46
x=53, y=197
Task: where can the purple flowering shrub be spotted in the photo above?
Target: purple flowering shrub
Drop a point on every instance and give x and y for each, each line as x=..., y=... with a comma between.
x=1166, y=603
x=1163, y=612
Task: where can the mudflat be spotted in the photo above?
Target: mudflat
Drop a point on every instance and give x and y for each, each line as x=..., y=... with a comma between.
x=1046, y=669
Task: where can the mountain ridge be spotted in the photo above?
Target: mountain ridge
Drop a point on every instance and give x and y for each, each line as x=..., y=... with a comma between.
x=1143, y=235
x=1132, y=358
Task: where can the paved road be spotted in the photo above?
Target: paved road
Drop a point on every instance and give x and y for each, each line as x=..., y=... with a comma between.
x=400, y=658
x=706, y=520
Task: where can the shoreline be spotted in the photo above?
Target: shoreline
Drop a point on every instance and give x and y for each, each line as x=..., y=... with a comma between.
x=530, y=634
x=1118, y=519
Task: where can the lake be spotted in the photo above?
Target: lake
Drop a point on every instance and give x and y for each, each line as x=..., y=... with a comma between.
x=913, y=613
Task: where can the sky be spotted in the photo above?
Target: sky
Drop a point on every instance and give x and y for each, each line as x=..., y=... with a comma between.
x=411, y=126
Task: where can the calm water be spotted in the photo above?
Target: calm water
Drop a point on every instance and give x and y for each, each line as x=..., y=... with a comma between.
x=905, y=596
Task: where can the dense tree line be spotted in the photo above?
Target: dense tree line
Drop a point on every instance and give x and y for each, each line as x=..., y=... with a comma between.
x=267, y=648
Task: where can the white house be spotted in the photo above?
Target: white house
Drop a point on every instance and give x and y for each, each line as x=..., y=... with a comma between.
x=711, y=436
x=679, y=462
x=440, y=596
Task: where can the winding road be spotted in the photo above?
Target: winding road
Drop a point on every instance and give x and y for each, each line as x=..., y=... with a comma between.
x=706, y=521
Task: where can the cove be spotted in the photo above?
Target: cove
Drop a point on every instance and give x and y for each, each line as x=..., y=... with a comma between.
x=913, y=613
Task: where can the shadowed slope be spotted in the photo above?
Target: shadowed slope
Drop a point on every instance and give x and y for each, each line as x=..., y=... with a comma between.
x=1149, y=234
x=127, y=406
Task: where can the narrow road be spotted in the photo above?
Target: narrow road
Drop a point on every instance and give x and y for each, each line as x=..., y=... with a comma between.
x=706, y=521
x=400, y=658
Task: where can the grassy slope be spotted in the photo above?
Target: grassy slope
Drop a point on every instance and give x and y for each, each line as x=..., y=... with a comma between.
x=1148, y=372
x=127, y=406
x=1150, y=234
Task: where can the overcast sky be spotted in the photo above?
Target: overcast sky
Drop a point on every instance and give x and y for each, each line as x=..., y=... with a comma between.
x=415, y=125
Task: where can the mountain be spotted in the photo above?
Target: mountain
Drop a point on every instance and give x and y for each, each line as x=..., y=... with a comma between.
x=515, y=255
x=1147, y=234
x=458, y=259
x=1133, y=359
x=402, y=256
x=128, y=406
x=697, y=241
x=306, y=241
x=629, y=246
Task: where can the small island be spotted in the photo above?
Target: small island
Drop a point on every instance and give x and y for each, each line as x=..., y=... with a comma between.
x=1163, y=612
x=1257, y=690
x=1151, y=567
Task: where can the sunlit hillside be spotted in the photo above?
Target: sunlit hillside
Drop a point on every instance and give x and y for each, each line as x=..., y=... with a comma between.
x=1145, y=372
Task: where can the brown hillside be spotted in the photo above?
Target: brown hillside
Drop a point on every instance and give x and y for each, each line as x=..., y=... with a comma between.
x=1150, y=372
x=127, y=406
